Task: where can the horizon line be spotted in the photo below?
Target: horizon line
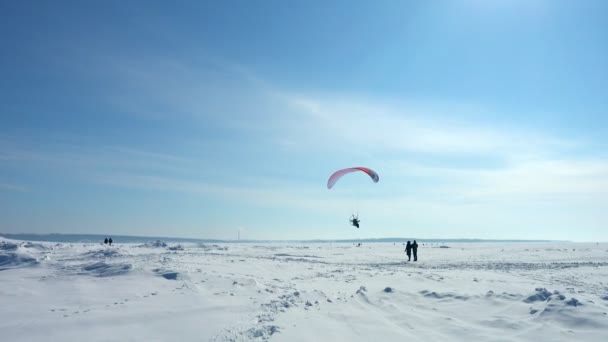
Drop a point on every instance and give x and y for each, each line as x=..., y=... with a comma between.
x=383, y=239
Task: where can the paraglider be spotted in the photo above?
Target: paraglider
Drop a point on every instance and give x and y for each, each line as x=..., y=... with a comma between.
x=354, y=220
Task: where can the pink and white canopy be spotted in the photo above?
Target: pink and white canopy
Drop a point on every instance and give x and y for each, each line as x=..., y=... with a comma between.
x=338, y=174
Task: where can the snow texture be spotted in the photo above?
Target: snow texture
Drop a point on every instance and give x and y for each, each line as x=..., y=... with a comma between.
x=302, y=292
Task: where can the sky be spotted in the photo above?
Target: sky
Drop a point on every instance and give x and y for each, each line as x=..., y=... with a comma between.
x=206, y=119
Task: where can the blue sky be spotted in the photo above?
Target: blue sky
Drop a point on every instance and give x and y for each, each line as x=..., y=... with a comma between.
x=484, y=119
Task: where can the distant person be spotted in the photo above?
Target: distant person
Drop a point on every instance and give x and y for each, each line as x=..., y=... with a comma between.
x=110, y=242
x=415, y=250
x=408, y=251
x=105, y=242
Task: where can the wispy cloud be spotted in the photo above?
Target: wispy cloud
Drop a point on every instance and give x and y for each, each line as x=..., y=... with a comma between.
x=74, y=156
x=275, y=196
x=386, y=126
x=13, y=187
x=557, y=180
x=239, y=100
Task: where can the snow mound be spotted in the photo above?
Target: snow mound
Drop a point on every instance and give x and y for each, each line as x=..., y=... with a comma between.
x=263, y=333
x=212, y=247
x=16, y=260
x=12, y=255
x=503, y=295
x=555, y=308
x=102, y=253
x=247, y=282
x=36, y=246
x=573, y=302
x=167, y=274
x=103, y=269
x=170, y=275
x=541, y=295
x=445, y=295
x=361, y=290
x=284, y=302
x=155, y=244
x=8, y=246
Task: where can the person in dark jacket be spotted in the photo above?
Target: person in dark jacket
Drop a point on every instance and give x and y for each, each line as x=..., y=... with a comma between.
x=354, y=220
x=110, y=242
x=415, y=250
x=105, y=242
x=408, y=251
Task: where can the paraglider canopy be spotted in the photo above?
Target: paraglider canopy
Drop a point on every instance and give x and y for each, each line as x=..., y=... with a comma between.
x=338, y=174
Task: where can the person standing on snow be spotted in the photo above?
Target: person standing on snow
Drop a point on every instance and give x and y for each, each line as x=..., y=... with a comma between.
x=408, y=251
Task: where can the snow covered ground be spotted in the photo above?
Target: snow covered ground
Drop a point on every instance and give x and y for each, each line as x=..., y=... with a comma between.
x=302, y=292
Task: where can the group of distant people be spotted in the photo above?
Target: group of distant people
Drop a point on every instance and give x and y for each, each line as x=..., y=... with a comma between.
x=107, y=241
x=409, y=248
